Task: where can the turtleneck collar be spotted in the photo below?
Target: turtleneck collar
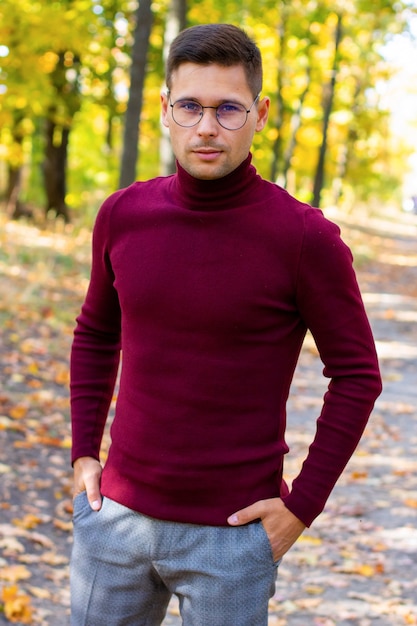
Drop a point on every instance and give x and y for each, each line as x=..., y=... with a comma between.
x=231, y=191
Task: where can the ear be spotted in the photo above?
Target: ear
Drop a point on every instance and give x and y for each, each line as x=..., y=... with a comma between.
x=263, y=110
x=164, y=109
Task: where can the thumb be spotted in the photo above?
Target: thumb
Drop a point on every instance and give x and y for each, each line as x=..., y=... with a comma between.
x=92, y=487
x=246, y=515
x=94, y=497
x=87, y=473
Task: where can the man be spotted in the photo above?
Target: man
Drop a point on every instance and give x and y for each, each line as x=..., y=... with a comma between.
x=206, y=282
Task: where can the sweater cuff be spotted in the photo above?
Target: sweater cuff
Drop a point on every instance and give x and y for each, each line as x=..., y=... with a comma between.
x=304, y=509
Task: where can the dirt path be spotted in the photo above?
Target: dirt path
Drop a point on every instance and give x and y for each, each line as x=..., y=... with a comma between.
x=356, y=566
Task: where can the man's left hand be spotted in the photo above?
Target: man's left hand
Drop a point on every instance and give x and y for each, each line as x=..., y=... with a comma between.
x=282, y=527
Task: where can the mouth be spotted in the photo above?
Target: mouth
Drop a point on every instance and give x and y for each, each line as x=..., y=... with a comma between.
x=207, y=154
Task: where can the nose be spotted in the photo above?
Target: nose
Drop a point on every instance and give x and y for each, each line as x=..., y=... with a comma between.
x=208, y=124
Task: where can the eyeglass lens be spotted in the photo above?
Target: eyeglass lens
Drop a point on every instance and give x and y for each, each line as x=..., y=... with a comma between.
x=230, y=115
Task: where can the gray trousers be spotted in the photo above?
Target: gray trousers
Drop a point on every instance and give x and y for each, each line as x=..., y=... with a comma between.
x=125, y=567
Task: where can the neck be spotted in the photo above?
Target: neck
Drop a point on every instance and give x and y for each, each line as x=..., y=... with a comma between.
x=218, y=194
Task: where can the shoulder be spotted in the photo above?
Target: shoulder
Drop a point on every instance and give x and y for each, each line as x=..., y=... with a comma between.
x=131, y=200
x=283, y=201
x=307, y=219
x=301, y=227
x=136, y=194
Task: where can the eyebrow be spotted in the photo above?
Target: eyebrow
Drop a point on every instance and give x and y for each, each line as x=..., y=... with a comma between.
x=223, y=101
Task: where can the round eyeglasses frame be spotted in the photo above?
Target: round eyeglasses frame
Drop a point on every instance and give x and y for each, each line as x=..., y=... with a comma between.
x=201, y=112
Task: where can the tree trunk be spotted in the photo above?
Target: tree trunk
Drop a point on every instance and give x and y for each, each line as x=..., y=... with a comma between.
x=345, y=148
x=295, y=126
x=144, y=19
x=279, y=117
x=14, y=208
x=327, y=109
x=57, y=130
x=175, y=22
x=54, y=168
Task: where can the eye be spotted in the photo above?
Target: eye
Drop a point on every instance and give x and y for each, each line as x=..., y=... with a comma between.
x=188, y=106
x=229, y=108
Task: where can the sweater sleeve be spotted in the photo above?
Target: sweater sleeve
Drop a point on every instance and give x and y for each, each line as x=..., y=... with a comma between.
x=95, y=351
x=331, y=306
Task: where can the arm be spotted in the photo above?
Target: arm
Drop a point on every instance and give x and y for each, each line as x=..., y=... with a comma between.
x=330, y=304
x=95, y=355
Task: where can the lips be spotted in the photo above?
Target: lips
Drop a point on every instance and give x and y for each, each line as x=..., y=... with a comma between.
x=207, y=148
x=207, y=153
x=208, y=156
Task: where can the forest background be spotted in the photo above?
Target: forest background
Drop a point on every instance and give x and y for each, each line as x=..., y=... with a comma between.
x=77, y=120
x=80, y=84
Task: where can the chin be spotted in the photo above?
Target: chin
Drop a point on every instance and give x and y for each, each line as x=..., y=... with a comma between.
x=208, y=173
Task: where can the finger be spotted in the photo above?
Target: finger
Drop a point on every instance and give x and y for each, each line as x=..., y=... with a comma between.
x=93, y=494
x=87, y=474
x=96, y=504
x=246, y=515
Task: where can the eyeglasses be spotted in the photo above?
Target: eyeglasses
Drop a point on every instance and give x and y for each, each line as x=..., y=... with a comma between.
x=230, y=115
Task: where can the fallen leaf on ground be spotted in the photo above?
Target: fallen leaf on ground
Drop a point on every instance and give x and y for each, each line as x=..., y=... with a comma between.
x=13, y=573
x=17, y=606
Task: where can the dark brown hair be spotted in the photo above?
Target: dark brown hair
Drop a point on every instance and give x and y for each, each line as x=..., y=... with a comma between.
x=223, y=44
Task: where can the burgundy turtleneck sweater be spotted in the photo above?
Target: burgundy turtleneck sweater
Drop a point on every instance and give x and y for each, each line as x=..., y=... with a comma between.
x=207, y=288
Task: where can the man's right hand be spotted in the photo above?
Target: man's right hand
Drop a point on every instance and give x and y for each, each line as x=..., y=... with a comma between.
x=87, y=475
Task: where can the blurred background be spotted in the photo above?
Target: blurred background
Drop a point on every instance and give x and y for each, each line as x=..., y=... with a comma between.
x=80, y=82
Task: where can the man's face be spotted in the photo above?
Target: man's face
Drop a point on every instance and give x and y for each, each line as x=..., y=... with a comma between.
x=207, y=150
